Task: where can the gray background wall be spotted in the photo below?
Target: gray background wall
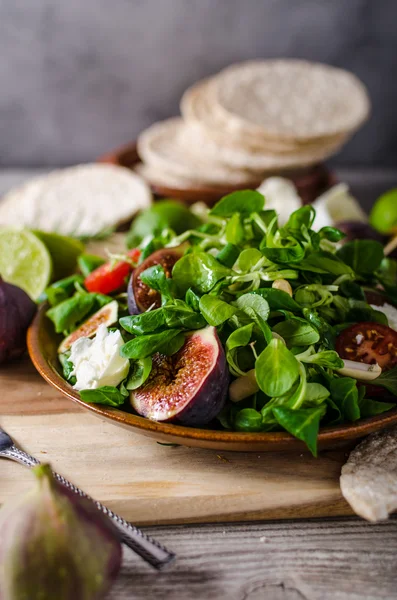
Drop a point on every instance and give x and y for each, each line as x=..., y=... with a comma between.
x=78, y=77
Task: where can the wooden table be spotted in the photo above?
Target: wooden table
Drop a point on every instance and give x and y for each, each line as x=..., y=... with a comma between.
x=313, y=559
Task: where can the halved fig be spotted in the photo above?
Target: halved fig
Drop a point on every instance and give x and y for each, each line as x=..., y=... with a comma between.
x=140, y=296
x=189, y=387
x=107, y=315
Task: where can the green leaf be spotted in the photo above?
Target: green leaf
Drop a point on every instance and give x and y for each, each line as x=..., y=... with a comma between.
x=278, y=300
x=192, y=300
x=244, y=202
x=326, y=358
x=170, y=316
x=107, y=394
x=228, y=255
x=70, y=312
x=387, y=380
x=371, y=408
x=351, y=289
x=156, y=279
x=248, y=259
x=165, y=214
x=234, y=231
x=297, y=332
x=141, y=370
x=253, y=305
x=62, y=289
x=303, y=423
x=248, y=419
x=89, y=262
x=214, y=310
x=239, y=338
x=67, y=367
x=344, y=393
x=276, y=369
x=302, y=217
x=199, y=271
x=292, y=253
x=315, y=394
x=332, y=234
x=324, y=262
x=147, y=345
x=363, y=256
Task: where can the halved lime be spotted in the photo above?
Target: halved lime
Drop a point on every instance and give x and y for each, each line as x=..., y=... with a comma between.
x=383, y=216
x=24, y=261
x=64, y=252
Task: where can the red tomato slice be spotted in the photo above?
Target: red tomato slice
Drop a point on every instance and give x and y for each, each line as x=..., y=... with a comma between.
x=369, y=343
x=107, y=278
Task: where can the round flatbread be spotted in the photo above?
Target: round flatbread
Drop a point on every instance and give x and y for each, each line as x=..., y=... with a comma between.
x=165, y=146
x=81, y=201
x=290, y=99
x=198, y=107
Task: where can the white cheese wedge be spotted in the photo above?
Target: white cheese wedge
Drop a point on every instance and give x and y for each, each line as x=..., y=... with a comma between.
x=97, y=362
x=281, y=195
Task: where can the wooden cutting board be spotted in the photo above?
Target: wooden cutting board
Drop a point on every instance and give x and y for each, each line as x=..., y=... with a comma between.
x=149, y=483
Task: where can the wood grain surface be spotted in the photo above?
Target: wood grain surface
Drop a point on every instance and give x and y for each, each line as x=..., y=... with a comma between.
x=151, y=483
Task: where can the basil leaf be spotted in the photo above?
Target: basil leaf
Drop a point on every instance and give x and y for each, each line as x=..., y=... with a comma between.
x=297, y=332
x=278, y=300
x=248, y=419
x=276, y=369
x=214, y=310
x=89, y=262
x=107, y=394
x=199, y=271
x=244, y=202
x=388, y=380
x=141, y=370
x=70, y=312
x=228, y=255
x=344, y=393
x=303, y=423
x=363, y=256
x=147, y=345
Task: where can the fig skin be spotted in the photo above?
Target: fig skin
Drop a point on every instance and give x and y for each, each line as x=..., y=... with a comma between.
x=55, y=544
x=177, y=392
x=140, y=296
x=17, y=310
x=357, y=230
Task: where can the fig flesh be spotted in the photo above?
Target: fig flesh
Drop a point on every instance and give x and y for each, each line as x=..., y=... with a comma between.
x=17, y=310
x=140, y=296
x=56, y=545
x=107, y=315
x=189, y=387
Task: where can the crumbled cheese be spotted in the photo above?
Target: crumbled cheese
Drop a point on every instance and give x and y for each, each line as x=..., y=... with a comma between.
x=390, y=312
x=281, y=195
x=97, y=361
x=359, y=338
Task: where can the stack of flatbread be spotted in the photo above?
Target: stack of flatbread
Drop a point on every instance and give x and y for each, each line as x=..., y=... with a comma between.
x=252, y=120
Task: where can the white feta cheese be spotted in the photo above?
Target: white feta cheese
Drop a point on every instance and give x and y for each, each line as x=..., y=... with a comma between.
x=337, y=204
x=281, y=195
x=390, y=312
x=359, y=338
x=97, y=362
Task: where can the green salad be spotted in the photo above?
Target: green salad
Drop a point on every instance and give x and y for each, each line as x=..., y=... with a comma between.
x=237, y=324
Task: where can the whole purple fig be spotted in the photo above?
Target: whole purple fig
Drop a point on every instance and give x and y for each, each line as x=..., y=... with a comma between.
x=56, y=545
x=16, y=313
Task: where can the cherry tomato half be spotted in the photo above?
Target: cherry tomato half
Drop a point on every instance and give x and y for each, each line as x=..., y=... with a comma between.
x=109, y=278
x=369, y=343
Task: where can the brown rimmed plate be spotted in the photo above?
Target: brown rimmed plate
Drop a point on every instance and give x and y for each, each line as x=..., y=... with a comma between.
x=42, y=347
x=310, y=182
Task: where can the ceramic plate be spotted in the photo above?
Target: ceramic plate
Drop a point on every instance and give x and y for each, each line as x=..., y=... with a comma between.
x=42, y=347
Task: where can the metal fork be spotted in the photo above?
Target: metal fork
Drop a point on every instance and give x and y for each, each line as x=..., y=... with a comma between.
x=146, y=547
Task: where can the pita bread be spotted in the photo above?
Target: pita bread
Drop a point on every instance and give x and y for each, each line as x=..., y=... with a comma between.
x=164, y=146
x=369, y=478
x=185, y=150
x=198, y=107
x=290, y=99
x=156, y=176
x=81, y=201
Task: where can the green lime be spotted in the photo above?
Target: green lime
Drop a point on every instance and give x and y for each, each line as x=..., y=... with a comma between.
x=383, y=215
x=24, y=261
x=64, y=252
